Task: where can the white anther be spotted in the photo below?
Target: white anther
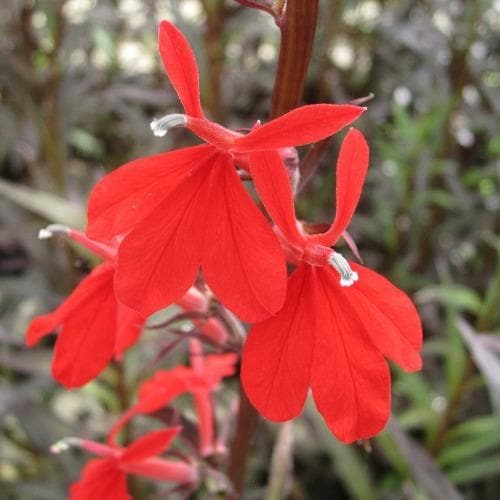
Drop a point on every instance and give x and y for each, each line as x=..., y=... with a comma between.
x=65, y=444
x=51, y=229
x=347, y=276
x=160, y=126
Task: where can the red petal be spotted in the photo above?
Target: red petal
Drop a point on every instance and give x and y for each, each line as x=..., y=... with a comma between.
x=43, y=325
x=389, y=317
x=85, y=345
x=159, y=259
x=129, y=325
x=218, y=366
x=351, y=172
x=180, y=66
x=46, y=324
x=158, y=392
x=276, y=362
x=273, y=186
x=300, y=126
x=350, y=379
x=129, y=194
x=149, y=445
x=242, y=259
x=100, y=480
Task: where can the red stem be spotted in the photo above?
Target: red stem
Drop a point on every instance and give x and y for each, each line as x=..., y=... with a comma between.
x=298, y=28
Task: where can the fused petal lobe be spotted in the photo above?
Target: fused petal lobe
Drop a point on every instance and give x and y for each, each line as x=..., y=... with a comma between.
x=242, y=259
x=389, y=317
x=159, y=259
x=100, y=479
x=350, y=379
x=130, y=193
x=85, y=344
x=82, y=294
x=277, y=356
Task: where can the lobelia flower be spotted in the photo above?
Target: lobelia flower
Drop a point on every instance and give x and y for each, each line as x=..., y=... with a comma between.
x=200, y=380
x=94, y=326
x=105, y=478
x=332, y=334
x=188, y=209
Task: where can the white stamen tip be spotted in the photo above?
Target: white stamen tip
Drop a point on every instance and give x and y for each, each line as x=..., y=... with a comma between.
x=65, y=444
x=350, y=281
x=51, y=229
x=160, y=126
x=44, y=234
x=347, y=276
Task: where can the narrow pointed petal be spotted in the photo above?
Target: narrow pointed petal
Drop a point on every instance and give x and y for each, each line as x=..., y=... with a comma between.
x=218, y=366
x=158, y=392
x=389, y=317
x=300, y=126
x=180, y=66
x=149, y=445
x=86, y=342
x=242, y=259
x=159, y=259
x=129, y=194
x=47, y=323
x=277, y=355
x=273, y=186
x=129, y=325
x=100, y=479
x=352, y=166
x=350, y=379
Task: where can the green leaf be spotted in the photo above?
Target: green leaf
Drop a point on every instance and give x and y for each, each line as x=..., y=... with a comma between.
x=474, y=426
x=476, y=470
x=459, y=297
x=47, y=205
x=456, y=453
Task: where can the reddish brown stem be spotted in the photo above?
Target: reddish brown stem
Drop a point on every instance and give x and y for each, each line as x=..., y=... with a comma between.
x=297, y=35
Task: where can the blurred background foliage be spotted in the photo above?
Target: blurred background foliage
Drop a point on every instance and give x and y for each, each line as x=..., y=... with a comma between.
x=80, y=81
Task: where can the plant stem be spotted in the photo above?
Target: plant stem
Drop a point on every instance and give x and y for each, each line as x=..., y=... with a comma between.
x=246, y=425
x=297, y=35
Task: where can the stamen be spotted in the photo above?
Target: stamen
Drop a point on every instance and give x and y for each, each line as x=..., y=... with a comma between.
x=65, y=444
x=340, y=264
x=160, y=126
x=51, y=229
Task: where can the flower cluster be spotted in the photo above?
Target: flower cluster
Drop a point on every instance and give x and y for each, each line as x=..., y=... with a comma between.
x=165, y=223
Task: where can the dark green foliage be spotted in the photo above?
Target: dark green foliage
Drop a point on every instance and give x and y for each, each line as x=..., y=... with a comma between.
x=78, y=88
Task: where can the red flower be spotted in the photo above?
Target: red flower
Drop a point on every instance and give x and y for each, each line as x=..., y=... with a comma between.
x=94, y=326
x=199, y=380
x=331, y=335
x=105, y=478
x=188, y=209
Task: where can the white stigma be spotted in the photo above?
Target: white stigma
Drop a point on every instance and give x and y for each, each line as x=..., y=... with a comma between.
x=51, y=229
x=65, y=444
x=160, y=126
x=340, y=264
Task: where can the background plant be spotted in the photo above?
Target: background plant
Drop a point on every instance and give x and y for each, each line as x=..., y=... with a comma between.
x=79, y=83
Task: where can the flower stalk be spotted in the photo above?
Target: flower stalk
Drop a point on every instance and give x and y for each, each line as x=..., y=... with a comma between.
x=297, y=35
